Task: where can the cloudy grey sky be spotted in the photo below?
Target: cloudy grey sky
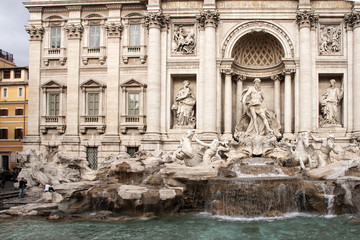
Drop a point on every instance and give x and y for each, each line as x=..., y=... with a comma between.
x=13, y=37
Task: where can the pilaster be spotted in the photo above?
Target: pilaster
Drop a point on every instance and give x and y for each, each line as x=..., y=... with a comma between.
x=288, y=101
x=228, y=102
x=239, y=90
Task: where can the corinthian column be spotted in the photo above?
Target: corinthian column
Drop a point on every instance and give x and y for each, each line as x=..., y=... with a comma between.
x=305, y=20
x=33, y=135
x=154, y=21
x=353, y=21
x=209, y=20
x=228, y=102
x=276, y=79
x=239, y=89
x=287, y=102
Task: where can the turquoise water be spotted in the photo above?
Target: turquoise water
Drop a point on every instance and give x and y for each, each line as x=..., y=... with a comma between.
x=191, y=226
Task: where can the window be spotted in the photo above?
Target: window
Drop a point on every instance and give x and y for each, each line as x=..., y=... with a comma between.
x=133, y=104
x=3, y=112
x=134, y=35
x=6, y=74
x=17, y=73
x=132, y=151
x=93, y=104
x=3, y=133
x=91, y=157
x=18, y=133
x=5, y=92
x=55, y=39
x=53, y=104
x=19, y=111
x=20, y=91
x=94, y=36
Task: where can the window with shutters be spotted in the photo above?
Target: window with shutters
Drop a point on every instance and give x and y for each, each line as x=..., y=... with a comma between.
x=93, y=104
x=53, y=104
x=4, y=112
x=19, y=111
x=94, y=36
x=134, y=37
x=17, y=73
x=3, y=133
x=6, y=74
x=18, y=133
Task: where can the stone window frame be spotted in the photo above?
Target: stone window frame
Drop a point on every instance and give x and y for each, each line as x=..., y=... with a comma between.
x=134, y=51
x=92, y=121
x=133, y=121
x=54, y=54
x=327, y=21
x=48, y=121
x=95, y=52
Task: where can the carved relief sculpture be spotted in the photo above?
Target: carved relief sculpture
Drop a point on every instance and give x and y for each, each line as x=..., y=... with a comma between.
x=330, y=39
x=184, y=39
x=257, y=120
x=184, y=107
x=329, y=102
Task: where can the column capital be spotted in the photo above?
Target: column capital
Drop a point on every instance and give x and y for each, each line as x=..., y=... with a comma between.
x=239, y=77
x=156, y=20
x=35, y=32
x=306, y=18
x=74, y=31
x=277, y=77
x=208, y=18
x=288, y=71
x=114, y=30
x=226, y=71
x=352, y=20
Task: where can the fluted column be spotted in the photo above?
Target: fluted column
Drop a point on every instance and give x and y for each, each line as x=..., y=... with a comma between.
x=228, y=101
x=239, y=89
x=288, y=102
x=305, y=20
x=36, y=35
x=276, y=79
x=154, y=21
x=353, y=21
x=209, y=20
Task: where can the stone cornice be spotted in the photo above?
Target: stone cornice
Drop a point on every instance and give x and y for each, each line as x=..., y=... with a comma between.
x=114, y=30
x=352, y=20
x=74, y=8
x=74, y=31
x=156, y=20
x=208, y=18
x=35, y=32
x=306, y=19
x=35, y=9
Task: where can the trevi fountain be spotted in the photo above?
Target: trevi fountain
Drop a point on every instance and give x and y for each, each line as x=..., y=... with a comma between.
x=258, y=178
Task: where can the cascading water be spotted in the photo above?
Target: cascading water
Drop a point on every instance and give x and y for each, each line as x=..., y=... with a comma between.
x=329, y=196
x=260, y=189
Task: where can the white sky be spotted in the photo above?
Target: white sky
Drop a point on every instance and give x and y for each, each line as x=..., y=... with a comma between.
x=13, y=37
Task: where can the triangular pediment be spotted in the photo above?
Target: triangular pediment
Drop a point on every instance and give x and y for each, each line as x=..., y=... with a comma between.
x=52, y=84
x=92, y=84
x=133, y=83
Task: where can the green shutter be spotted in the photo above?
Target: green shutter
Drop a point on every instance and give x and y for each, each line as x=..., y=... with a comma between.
x=53, y=104
x=93, y=104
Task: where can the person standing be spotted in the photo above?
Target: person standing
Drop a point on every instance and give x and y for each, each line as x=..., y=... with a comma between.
x=22, y=186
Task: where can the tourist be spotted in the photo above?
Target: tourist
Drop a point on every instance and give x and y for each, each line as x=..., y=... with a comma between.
x=22, y=186
x=49, y=188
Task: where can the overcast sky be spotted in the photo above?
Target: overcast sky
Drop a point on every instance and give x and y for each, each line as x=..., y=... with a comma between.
x=13, y=37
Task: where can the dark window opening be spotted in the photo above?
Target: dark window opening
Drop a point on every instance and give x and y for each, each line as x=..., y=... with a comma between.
x=132, y=151
x=6, y=74
x=19, y=111
x=3, y=112
x=17, y=74
x=3, y=134
x=91, y=157
x=18, y=133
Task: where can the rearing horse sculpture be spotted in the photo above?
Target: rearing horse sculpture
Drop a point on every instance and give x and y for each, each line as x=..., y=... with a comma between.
x=302, y=151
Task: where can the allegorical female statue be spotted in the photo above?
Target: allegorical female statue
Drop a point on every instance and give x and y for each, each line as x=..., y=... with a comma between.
x=329, y=102
x=184, y=107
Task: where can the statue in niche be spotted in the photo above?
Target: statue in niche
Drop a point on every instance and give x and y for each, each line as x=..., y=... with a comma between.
x=184, y=107
x=326, y=148
x=329, y=102
x=184, y=40
x=257, y=120
x=330, y=37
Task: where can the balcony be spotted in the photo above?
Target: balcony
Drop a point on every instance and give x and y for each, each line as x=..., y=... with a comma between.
x=132, y=122
x=134, y=52
x=94, y=53
x=54, y=54
x=53, y=122
x=92, y=122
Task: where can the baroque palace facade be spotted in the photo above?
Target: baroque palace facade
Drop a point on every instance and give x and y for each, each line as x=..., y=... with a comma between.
x=108, y=76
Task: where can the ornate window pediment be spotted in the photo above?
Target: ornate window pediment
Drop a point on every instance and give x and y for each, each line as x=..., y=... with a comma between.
x=53, y=85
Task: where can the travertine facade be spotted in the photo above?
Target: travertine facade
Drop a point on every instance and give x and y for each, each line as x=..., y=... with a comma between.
x=104, y=75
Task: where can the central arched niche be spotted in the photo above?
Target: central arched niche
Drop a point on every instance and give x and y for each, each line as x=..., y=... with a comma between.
x=258, y=51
